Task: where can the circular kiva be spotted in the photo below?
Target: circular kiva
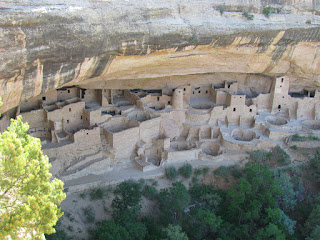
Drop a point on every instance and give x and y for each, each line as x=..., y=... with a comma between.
x=276, y=120
x=311, y=124
x=201, y=106
x=139, y=116
x=210, y=148
x=243, y=134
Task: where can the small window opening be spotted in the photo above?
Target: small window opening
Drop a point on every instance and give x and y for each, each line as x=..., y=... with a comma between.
x=250, y=110
x=67, y=121
x=280, y=85
x=184, y=89
x=81, y=117
x=279, y=106
x=87, y=133
x=282, y=96
x=228, y=85
x=69, y=109
x=234, y=109
x=43, y=98
x=193, y=92
x=68, y=91
x=199, y=92
x=206, y=91
x=158, y=98
x=169, y=102
x=282, y=80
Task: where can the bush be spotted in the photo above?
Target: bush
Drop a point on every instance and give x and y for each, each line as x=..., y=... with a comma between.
x=205, y=171
x=221, y=9
x=222, y=171
x=186, y=170
x=171, y=173
x=236, y=171
x=294, y=147
x=248, y=15
x=89, y=213
x=259, y=156
x=197, y=172
x=281, y=156
x=266, y=11
x=313, y=138
x=150, y=192
x=96, y=194
x=296, y=138
x=83, y=195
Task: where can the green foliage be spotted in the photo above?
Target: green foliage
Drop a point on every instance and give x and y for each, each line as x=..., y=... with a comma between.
x=313, y=138
x=192, y=39
x=248, y=15
x=315, y=166
x=221, y=9
x=89, y=213
x=260, y=156
x=197, y=172
x=150, y=192
x=29, y=201
x=294, y=147
x=174, y=232
x=287, y=200
x=111, y=231
x=222, y=171
x=311, y=226
x=96, y=194
x=172, y=202
x=171, y=172
x=236, y=171
x=281, y=156
x=205, y=171
x=296, y=138
x=266, y=11
x=186, y=170
x=287, y=223
x=83, y=195
x=127, y=199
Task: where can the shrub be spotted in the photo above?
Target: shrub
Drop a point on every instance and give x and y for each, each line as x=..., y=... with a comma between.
x=236, y=171
x=171, y=173
x=221, y=9
x=281, y=156
x=266, y=11
x=308, y=21
x=150, y=192
x=205, y=171
x=222, y=171
x=296, y=138
x=96, y=194
x=197, y=172
x=89, y=213
x=248, y=15
x=186, y=170
x=294, y=147
x=313, y=138
x=260, y=156
x=82, y=195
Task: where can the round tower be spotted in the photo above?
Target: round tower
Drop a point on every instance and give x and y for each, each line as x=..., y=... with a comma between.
x=177, y=99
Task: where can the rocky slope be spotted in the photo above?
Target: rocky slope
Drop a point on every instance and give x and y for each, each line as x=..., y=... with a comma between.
x=47, y=44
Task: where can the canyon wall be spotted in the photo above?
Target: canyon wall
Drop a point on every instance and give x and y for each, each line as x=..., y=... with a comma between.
x=48, y=44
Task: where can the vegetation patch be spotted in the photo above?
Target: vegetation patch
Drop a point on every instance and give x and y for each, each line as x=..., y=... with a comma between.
x=186, y=170
x=171, y=172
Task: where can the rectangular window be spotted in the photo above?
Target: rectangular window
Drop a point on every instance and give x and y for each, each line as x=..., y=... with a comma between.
x=68, y=91
x=234, y=109
x=43, y=98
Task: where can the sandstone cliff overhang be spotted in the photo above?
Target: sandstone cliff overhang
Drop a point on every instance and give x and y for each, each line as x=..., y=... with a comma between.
x=47, y=44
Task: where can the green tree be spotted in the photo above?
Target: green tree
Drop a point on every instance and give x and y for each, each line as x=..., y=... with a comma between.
x=173, y=201
x=174, y=232
x=111, y=231
x=29, y=201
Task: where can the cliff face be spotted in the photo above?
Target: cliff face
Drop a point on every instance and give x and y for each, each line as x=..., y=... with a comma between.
x=147, y=44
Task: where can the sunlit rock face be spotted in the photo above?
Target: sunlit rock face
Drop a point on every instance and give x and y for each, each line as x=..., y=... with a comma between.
x=149, y=44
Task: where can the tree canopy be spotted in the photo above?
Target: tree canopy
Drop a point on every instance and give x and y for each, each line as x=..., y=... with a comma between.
x=29, y=200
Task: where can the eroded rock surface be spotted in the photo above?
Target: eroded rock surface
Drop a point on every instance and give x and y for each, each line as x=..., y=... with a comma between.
x=148, y=44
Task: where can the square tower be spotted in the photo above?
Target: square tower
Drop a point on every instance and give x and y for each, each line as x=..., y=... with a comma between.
x=279, y=93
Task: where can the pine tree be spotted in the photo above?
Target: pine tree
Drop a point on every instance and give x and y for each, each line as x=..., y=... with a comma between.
x=29, y=200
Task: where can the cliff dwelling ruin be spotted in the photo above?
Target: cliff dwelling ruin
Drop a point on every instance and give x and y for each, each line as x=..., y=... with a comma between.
x=87, y=131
